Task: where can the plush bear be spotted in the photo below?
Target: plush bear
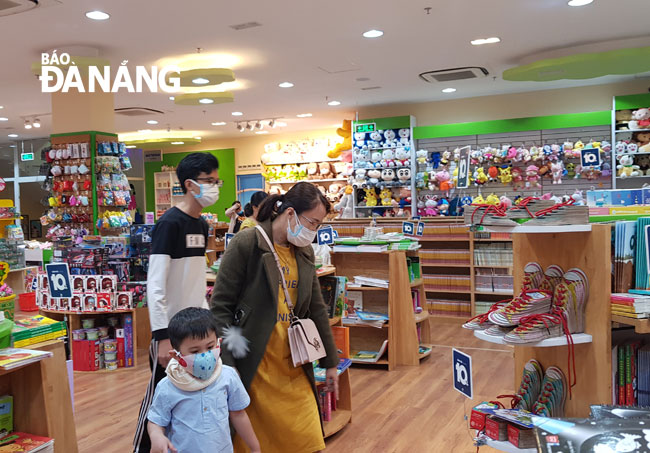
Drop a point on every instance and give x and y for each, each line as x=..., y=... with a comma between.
x=312, y=171
x=387, y=158
x=404, y=137
x=640, y=119
x=622, y=118
x=325, y=170
x=557, y=169
x=626, y=167
x=643, y=141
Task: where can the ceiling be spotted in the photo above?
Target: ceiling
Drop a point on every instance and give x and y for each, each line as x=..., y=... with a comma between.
x=315, y=45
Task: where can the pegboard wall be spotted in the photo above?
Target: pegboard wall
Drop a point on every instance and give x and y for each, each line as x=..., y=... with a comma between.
x=525, y=139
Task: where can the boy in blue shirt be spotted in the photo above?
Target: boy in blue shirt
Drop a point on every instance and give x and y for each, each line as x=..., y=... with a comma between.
x=194, y=402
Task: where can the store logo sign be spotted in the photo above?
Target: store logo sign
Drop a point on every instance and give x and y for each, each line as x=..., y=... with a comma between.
x=462, y=371
x=53, y=79
x=590, y=157
x=326, y=235
x=58, y=276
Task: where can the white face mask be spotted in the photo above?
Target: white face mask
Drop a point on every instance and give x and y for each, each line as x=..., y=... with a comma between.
x=208, y=194
x=302, y=237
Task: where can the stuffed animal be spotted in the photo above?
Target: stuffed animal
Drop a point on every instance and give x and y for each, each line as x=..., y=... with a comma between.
x=444, y=159
x=388, y=175
x=622, y=119
x=375, y=158
x=312, y=171
x=344, y=207
x=571, y=170
x=325, y=170
x=360, y=177
x=492, y=199
x=373, y=176
x=493, y=173
x=404, y=174
x=511, y=153
x=430, y=205
x=476, y=157
x=578, y=198
x=371, y=196
x=532, y=178
x=443, y=177
x=420, y=183
x=535, y=154
x=375, y=140
x=421, y=156
x=420, y=206
x=632, y=147
x=389, y=139
x=480, y=177
x=404, y=137
x=386, y=197
x=344, y=131
x=557, y=170
x=443, y=207
x=359, y=139
x=643, y=141
x=626, y=167
x=640, y=119
x=402, y=157
x=505, y=202
x=404, y=202
x=505, y=175
x=387, y=158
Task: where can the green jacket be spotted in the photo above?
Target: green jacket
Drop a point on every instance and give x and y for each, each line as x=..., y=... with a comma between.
x=247, y=288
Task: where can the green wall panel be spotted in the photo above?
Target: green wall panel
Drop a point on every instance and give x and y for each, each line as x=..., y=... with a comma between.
x=226, y=174
x=514, y=125
x=392, y=122
x=633, y=101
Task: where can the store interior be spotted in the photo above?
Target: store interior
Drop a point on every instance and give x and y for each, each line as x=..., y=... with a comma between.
x=484, y=265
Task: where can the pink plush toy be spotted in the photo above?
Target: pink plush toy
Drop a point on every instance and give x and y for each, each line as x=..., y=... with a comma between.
x=556, y=169
x=532, y=178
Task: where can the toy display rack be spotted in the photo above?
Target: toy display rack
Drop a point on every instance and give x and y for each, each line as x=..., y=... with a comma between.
x=401, y=330
x=620, y=131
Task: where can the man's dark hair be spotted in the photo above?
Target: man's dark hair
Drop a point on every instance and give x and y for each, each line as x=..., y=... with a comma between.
x=192, y=322
x=248, y=210
x=257, y=198
x=193, y=165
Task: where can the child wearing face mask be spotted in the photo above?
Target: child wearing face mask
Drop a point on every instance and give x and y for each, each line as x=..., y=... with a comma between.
x=253, y=316
x=193, y=404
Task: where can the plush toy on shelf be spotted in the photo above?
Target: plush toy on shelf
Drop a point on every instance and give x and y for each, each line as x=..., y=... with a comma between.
x=345, y=131
x=404, y=175
x=402, y=157
x=389, y=139
x=421, y=208
x=557, y=169
x=388, y=175
x=626, y=167
x=375, y=158
x=360, y=177
x=404, y=202
x=431, y=205
x=640, y=119
x=443, y=177
x=532, y=178
x=375, y=140
x=371, y=196
x=504, y=201
x=570, y=170
x=325, y=170
x=387, y=158
x=386, y=197
x=421, y=156
x=505, y=174
x=493, y=173
x=373, y=176
x=480, y=177
x=404, y=137
x=443, y=207
x=344, y=207
x=312, y=171
x=643, y=141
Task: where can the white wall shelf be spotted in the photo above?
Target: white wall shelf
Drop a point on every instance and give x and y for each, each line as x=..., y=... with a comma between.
x=578, y=338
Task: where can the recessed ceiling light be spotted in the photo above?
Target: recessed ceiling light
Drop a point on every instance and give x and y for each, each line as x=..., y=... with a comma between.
x=280, y=124
x=97, y=15
x=152, y=122
x=579, y=2
x=304, y=115
x=333, y=103
x=171, y=98
x=2, y=118
x=285, y=85
x=12, y=135
x=197, y=138
x=219, y=123
x=1, y=107
x=206, y=101
x=237, y=113
x=449, y=90
x=262, y=132
x=481, y=41
x=373, y=34
x=200, y=81
x=178, y=143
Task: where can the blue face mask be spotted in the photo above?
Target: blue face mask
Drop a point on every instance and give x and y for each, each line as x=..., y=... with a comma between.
x=200, y=365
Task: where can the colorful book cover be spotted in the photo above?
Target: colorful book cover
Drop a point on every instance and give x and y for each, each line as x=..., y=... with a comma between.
x=119, y=336
x=24, y=442
x=14, y=357
x=328, y=287
x=621, y=375
x=6, y=415
x=342, y=341
x=629, y=397
x=128, y=341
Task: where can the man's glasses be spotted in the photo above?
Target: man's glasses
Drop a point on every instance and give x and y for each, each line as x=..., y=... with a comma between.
x=211, y=181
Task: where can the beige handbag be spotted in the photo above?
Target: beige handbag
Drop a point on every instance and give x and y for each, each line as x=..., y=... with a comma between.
x=304, y=340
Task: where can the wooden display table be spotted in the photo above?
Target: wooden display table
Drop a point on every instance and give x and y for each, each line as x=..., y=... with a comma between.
x=42, y=403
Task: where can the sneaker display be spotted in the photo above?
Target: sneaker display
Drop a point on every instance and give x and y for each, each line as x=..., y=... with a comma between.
x=533, y=275
x=481, y=322
x=552, y=276
x=550, y=402
x=497, y=331
x=531, y=386
x=529, y=302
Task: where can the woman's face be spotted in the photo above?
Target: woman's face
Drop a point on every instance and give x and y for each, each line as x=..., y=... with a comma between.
x=310, y=219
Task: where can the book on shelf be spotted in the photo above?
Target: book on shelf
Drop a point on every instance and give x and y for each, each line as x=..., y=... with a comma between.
x=423, y=349
x=355, y=300
x=342, y=341
x=11, y=358
x=319, y=373
x=24, y=442
x=6, y=415
x=36, y=329
x=370, y=356
x=328, y=287
x=370, y=281
x=372, y=316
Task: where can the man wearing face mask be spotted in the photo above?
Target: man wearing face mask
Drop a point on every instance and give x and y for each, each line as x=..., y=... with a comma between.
x=176, y=277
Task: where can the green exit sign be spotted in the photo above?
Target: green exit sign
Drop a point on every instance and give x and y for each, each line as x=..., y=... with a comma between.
x=27, y=156
x=368, y=127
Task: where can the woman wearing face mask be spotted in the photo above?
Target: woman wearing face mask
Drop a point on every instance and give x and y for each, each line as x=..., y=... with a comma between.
x=248, y=295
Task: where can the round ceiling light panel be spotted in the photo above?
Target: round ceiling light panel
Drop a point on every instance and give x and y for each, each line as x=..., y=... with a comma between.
x=204, y=76
x=204, y=98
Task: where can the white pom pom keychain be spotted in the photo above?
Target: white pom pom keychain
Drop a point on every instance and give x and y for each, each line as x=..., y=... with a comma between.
x=235, y=341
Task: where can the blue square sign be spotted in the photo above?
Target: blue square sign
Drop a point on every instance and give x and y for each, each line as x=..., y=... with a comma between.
x=325, y=235
x=229, y=236
x=58, y=279
x=420, y=229
x=462, y=364
x=590, y=157
x=408, y=228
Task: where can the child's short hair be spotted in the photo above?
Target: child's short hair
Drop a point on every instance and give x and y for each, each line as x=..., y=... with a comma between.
x=192, y=322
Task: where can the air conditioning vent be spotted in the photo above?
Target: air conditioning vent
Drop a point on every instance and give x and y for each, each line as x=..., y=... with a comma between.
x=370, y=88
x=137, y=111
x=11, y=7
x=245, y=26
x=450, y=75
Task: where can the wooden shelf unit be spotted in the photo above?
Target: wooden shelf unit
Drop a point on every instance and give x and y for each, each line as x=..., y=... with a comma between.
x=402, y=329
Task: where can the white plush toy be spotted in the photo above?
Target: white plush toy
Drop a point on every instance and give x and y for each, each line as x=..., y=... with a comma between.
x=375, y=158
x=387, y=158
x=375, y=140
x=421, y=156
x=360, y=177
x=404, y=137
x=359, y=139
x=344, y=207
x=389, y=138
x=374, y=174
x=402, y=157
x=626, y=167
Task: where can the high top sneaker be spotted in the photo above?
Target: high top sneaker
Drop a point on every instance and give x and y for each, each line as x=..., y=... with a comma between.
x=552, y=276
x=529, y=302
x=531, y=385
x=553, y=394
x=533, y=274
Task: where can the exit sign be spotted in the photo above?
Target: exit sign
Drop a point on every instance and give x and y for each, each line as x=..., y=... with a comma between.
x=27, y=156
x=368, y=127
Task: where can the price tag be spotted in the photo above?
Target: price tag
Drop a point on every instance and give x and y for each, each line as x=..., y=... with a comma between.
x=463, y=168
x=420, y=229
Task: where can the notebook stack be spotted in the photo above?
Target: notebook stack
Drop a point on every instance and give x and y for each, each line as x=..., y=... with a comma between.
x=630, y=305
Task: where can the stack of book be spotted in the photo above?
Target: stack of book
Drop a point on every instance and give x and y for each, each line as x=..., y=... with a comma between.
x=11, y=358
x=36, y=329
x=360, y=280
x=630, y=305
x=631, y=374
x=370, y=356
x=625, y=238
x=366, y=318
x=25, y=442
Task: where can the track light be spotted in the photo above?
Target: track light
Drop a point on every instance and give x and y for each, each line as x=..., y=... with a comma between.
x=272, y=124
x=28, y=125
x=37, y=123
x=259, y=125
x=240, y=127
x=249, y=126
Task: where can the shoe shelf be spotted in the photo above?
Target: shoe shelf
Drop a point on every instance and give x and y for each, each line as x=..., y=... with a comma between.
x=578, y=338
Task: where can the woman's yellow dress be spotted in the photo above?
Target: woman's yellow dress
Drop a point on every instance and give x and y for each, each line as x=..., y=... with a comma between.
x=283, y=409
